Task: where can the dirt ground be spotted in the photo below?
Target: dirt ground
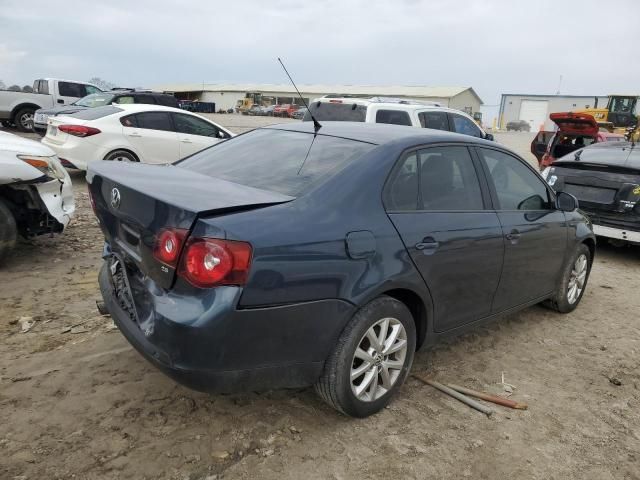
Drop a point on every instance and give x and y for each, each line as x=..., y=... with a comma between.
x=76, y=401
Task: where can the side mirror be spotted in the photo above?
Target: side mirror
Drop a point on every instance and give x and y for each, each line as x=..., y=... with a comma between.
x=566, y=202
x=488, y=136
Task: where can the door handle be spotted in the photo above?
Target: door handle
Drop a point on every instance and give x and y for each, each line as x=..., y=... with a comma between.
x=186, y=140
x=134, y=134
x=60, y=101
x=427, y=243
x=513, y=236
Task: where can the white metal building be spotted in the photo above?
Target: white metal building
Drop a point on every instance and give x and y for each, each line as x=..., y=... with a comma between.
x=226, y=96
x=535, y=109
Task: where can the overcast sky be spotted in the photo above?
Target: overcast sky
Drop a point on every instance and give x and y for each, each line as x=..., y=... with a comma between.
x=494, y=46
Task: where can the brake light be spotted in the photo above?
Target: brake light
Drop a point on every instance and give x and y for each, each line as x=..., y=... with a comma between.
x=78, y=130
x=169, y=244
x=211, y=262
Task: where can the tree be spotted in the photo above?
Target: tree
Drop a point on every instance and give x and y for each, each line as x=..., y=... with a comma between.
x=102, y=84
x=14, y=88
x=27, y=89
x=2, y=85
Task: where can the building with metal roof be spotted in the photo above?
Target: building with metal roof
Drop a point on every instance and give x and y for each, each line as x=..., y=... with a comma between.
x=227, y=96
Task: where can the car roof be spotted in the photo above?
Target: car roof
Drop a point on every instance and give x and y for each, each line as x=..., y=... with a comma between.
x=616, y=154
x=382, y=133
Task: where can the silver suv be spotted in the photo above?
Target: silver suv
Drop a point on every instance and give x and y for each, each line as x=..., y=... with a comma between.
x=394, y=111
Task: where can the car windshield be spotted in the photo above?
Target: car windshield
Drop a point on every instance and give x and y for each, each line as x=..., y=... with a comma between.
x=291, y=163
x=336, y=112
x=95, y=100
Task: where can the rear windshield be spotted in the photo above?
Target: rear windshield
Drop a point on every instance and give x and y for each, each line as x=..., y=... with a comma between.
x=274, y=160
x=336, y=112
x=95, y=113
x=95, y=100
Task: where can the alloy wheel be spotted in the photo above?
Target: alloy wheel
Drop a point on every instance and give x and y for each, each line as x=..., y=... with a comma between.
x=577, y=278
x=26, y=120
x=378, y=360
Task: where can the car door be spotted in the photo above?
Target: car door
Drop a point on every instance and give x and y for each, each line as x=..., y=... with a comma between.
x=460, y=124
x=535, y=232
x=442, y=213
x=152, y=136
x=195, y=133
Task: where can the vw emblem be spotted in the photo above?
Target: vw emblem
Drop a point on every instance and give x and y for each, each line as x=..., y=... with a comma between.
x=115, y=198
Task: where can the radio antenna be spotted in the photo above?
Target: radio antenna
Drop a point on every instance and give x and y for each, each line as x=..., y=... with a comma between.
x=316, y=124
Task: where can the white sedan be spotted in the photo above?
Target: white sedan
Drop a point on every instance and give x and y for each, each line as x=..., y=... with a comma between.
x=134, y=133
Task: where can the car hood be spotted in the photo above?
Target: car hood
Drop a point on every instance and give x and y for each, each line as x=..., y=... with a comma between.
x=13, y=143
x=575, y=123
x=66, y=110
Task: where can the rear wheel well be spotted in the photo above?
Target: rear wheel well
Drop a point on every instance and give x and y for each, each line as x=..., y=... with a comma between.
x=591, y=244
x=123, y=150
x=22, y=106
x=417, y=308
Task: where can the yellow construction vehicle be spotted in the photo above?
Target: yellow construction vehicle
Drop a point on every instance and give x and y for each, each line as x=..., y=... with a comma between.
x=250, y=99
x=618, y=116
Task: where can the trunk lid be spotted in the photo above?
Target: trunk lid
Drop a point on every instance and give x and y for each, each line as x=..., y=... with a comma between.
x=575, y=123
x=134, y=202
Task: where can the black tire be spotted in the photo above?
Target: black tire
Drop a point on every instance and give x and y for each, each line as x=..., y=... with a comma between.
x=24, y=119
x=334, y=385
x=121, y=156
x=8, y=231
x=561, y=301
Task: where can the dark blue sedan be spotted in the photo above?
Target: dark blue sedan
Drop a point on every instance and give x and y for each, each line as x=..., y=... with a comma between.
x=286, y=257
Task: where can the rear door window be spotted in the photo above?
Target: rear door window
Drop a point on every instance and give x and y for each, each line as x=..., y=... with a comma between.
x=435, y=179
x=393, y=117
x=146, y=99
x=70, y=89
x=434, y=120
x=155, y=121
x=129, y=121
x=191, y=125
x=465, y=126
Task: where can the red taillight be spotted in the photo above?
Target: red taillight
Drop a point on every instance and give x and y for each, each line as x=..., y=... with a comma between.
x=211, y=262
x=78, y=130
x=168, y=245
x=335, y=101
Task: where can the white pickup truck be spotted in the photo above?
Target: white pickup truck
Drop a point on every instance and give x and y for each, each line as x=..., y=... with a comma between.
x=18, y=107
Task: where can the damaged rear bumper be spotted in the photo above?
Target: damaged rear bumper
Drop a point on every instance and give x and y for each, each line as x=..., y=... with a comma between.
x=221, y=349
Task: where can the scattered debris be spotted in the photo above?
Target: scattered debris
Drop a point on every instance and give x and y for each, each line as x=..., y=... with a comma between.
x=608, y=287
x=507, y=387
x=458, y=396
x=293, y=429
x=221, y=455
x=489, y=398
x=478, y=443
x=26, y=323
x=616, y=381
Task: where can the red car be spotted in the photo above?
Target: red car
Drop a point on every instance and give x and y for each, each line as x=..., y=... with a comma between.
x=575, y=130
x=281, y=110
x=292, y=109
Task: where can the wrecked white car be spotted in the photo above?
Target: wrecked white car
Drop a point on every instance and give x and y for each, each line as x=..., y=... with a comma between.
x=36, y=195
